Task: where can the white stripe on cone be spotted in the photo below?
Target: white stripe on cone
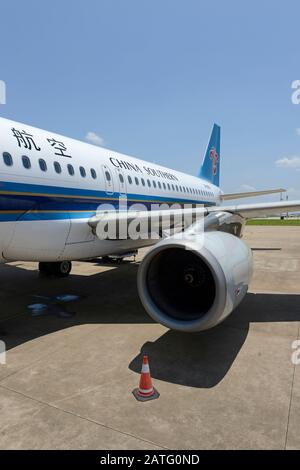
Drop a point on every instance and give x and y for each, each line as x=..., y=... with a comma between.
x=146, y=391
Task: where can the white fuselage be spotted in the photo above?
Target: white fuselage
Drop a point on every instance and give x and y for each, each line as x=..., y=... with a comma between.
x=51, y=185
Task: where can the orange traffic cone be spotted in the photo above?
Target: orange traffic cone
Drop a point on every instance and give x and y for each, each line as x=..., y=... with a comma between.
x=146, y=391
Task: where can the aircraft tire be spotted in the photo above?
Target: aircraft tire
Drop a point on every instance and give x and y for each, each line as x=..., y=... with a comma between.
x=58, y=269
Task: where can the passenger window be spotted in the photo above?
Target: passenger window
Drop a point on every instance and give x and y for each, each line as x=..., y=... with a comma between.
x=143, y=181
x=129, y=180
x=57, y=167
x=107, y=175
x=159, y=185
x=149, y=183
x=7, y=158
x=173, y=187
x=71, y=170
x=169, y=187
x=83, y=172
x=176, y=188
x=136, y=181
x=121, y=178
x=154, y=184
x=26, y=162
x=93, y=173
x=164, y=185
x=43, y=164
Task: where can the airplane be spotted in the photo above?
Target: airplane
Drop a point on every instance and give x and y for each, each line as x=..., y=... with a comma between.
x=54, y=193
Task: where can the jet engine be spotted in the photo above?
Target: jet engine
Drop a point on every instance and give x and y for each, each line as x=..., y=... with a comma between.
x=193, y=283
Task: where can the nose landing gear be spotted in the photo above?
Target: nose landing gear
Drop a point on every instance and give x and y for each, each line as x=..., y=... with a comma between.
x=58, y=269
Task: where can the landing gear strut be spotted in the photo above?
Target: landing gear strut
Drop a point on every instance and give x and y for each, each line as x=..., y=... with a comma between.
x=58, y=269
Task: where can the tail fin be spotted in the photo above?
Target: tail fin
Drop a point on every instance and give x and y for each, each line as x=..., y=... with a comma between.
x=210, y=169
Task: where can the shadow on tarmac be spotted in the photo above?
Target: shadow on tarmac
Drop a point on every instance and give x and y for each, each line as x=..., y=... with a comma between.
x=194, y=360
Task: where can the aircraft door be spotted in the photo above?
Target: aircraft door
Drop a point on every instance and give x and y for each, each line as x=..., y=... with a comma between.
x=121, y=182
x=109, y=183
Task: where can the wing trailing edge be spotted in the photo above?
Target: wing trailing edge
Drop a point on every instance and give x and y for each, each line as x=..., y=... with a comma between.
x=264, y=192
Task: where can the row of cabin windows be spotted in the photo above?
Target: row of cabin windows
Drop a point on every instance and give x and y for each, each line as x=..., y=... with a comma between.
x=162, y=185
x=8, y=160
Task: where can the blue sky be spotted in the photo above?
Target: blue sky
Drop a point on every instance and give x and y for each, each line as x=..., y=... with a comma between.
x=150, y=78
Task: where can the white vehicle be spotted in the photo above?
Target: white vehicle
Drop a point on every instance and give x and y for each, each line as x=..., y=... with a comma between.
x=52, y=191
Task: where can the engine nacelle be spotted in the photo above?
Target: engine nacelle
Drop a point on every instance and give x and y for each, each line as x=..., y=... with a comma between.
x=194, y=284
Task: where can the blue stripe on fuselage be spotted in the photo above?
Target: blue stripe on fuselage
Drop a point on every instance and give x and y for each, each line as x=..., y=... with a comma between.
x=40, y=202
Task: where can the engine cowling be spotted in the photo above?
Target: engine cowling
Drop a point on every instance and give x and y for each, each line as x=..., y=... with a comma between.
x=192, y=285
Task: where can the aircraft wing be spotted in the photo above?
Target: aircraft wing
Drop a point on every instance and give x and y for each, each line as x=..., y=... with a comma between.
x=163, y=220
x=146, y=221
x=226, y=197
x=248, y=211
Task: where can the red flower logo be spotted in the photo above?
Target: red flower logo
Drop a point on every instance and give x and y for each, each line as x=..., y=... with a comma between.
x=214, y=160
